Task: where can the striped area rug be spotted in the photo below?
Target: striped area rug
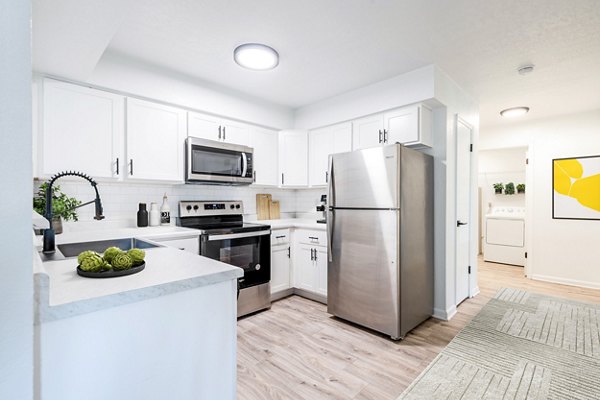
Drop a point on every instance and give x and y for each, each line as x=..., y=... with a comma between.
x=521, y=345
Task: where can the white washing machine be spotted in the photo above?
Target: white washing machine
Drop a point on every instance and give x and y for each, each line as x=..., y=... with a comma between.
x=505, y=236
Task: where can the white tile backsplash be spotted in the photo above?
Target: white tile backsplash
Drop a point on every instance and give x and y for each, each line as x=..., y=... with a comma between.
x=120, y=199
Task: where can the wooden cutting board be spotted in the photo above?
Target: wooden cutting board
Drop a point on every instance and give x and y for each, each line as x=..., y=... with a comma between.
x=263, y=206
x=274, y=210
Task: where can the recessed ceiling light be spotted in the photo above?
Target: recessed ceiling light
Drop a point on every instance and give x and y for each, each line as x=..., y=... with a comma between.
x=256, y=56
x=514, y=112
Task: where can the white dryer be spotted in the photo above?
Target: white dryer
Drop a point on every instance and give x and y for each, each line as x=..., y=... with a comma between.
x=505, y=236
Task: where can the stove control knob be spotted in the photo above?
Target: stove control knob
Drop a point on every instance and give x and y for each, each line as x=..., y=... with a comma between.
x=196, y=207
x=231, y=206
x=237, y=206
x=257, y=267
x=188, y=208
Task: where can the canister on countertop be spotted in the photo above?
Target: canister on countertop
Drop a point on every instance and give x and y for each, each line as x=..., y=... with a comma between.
x=154, y=215
x=165, y=212
x=142, y=216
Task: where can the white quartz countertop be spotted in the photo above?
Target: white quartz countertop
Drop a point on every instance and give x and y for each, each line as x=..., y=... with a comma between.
x=61, y=293
x=293, y=223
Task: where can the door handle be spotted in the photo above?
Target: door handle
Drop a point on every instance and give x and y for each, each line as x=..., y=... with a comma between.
x=244, y=162
x=380, y=136
x=460, y=223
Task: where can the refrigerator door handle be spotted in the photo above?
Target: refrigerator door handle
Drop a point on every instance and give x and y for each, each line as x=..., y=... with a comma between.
x=330, y=210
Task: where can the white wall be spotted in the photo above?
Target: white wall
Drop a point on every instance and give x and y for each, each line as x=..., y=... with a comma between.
x=501, y=166
x=16, y=282
x=130, y=76
x=412, y=87
x=563, y=251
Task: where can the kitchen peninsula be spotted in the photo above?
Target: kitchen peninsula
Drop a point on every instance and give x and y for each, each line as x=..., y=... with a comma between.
x=167, y=332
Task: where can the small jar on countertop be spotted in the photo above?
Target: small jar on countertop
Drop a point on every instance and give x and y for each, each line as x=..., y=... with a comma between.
x=142, y=216
x=154, y=215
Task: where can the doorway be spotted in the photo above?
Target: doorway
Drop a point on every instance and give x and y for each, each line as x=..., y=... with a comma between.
x=464, y=134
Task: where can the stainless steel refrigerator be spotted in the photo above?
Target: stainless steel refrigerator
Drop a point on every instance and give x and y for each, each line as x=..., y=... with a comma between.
x=380, y=238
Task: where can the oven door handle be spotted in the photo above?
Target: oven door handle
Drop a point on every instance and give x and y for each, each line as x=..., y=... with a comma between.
x=244, y=164
x=210, y=238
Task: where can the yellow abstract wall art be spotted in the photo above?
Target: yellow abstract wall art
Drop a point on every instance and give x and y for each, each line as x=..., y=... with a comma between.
x=576, y=188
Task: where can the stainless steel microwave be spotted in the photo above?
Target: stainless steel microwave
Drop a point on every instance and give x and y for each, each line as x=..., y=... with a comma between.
x=212, y=162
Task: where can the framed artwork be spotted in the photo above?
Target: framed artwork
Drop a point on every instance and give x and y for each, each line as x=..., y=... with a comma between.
x=576, y=188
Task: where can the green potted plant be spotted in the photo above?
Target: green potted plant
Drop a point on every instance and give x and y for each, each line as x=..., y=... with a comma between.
x=498, y=187
x=509, y=188
x=63, y=206
x=521, y=188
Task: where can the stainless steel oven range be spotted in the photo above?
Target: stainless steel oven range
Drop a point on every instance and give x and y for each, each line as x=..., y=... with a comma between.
x=224, y=236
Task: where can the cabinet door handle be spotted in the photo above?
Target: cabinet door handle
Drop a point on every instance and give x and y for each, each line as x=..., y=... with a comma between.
x=380, y=136
x=131, y=166
x=219, y=132
x=282, y=179
x=385, y=136
x=117, y=166
x=253, y=176
x=289, y=252
x=223, y=133
x=312, y=257
x=315, y=254
x=326, y=176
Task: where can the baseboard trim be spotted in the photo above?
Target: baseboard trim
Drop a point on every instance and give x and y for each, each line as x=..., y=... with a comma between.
x=475, y=291
x=444, y=315
x=300, y=292
x=282, y=294
x=564, y=281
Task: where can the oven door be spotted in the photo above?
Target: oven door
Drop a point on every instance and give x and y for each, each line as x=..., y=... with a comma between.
x=250, y=251
x=217, y=162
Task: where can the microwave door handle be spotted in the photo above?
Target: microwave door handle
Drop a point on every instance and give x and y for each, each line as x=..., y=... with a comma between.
x=244, y=164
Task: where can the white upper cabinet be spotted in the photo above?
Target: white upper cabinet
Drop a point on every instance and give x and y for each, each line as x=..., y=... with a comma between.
x=155, y=141
x=216, y=128
x=293, y=158
x=367, y=132
x=82, y=131
x=323, y=142
x=265, y=162
x=411, y=126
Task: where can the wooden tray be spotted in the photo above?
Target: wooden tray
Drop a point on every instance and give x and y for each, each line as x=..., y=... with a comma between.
x=111, y=273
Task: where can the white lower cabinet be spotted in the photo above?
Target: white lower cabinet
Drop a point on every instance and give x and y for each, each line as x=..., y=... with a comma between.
x=310, y=261
x=280, y=260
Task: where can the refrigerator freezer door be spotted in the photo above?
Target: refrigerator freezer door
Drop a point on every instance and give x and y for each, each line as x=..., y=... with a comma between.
x=363, y=272
x=365, y=179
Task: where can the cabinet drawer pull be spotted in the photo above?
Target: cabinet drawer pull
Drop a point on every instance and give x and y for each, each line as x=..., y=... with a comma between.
x=279, y=237
x=182, y=248
x=313, y=238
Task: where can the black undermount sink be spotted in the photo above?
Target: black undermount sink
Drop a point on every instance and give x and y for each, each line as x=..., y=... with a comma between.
x=72, y=250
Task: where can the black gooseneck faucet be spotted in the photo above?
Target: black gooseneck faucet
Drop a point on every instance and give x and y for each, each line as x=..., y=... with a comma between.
x=49, y=236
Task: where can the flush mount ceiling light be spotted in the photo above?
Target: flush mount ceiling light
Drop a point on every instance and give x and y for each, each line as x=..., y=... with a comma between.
x=514, y=112
x=525, y=69
x=256, y=56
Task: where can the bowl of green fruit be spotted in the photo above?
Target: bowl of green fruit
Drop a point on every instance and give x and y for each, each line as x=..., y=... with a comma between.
x=112, y=263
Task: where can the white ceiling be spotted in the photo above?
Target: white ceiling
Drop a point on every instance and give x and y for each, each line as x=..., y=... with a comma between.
x=328, y=47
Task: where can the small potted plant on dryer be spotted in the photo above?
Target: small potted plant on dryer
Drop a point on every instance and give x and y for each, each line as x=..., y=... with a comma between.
x=498, y=187
x=509, y=188
x=521, y=188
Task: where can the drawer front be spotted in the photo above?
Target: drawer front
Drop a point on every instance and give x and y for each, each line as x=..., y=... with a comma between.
x=280, y=236
x=315, y=238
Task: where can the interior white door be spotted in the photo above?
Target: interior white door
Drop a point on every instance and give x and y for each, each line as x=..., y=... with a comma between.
x=367, y=132
x=463, y=208
x=266, y=148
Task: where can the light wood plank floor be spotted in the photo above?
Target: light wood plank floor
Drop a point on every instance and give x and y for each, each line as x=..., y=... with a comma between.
x=296, y=350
